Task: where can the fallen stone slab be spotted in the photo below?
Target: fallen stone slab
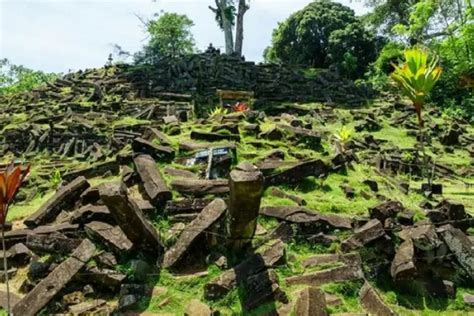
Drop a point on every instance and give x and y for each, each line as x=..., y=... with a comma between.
x=197, y=308
x=19, y=235
x=301, y=215
x=189, y=146
x=186, y=206
x=468, y=299
x=262, y=288
x=349, y=258
x=106, y=279
x=338, y=274
x=282, y=194
x=130, y=218
x=64, y=199
x=180, y=173
x=111, y=236
x=385, y=210
x=86, y=307
x=460, y=245
x=52, y=243
x=311, y=302
x=424, y=236
x=373, y=303
x=152, y=134
x=97, y=170
x=372, y=230
x=41, y=294
x=403, y=264
x=89, y=213
x=209, y=215
x=160, y=153
x=14, y=299
x=213, y=137
x=106, y=260
x=200, y=188
x=270, y=255
x=19, y=255
x=154, y=184
x=295, y=174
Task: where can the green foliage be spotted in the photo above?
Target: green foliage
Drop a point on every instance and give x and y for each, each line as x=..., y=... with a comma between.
x=320, y=35
x=17, y=78
x=217, y=111
x=417, y=75
x=170, y=36
x=56, y=178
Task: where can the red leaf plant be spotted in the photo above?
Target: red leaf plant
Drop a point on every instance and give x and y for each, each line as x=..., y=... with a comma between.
x=240, y=107
x=11, y=180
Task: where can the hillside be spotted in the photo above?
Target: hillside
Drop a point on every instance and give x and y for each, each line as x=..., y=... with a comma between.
x=131, y=195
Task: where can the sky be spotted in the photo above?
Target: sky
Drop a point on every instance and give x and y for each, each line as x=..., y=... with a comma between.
x=64, y=35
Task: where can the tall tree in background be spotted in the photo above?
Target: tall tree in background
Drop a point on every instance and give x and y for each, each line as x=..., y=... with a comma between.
x=226, y=16
x=169, y=35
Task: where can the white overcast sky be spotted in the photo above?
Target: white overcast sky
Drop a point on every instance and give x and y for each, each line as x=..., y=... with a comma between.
x=62, y=35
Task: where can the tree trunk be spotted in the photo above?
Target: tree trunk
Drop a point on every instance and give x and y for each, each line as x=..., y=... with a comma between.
x=227, y=26
x=239, y=32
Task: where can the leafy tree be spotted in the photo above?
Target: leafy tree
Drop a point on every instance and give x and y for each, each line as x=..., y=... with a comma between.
x=319, y=35
x=170, y=35
x=17, y=78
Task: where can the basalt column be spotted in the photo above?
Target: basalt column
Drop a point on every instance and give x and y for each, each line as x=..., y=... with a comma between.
x=246, y=188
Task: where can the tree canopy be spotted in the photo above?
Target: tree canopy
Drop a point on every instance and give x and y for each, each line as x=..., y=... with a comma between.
x=320, y=35
x=169, y=35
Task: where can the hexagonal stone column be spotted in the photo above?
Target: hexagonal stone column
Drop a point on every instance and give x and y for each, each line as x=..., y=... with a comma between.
x=246, y=184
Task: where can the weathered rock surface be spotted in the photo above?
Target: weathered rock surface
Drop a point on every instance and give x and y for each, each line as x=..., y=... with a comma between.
x=197, y=308
x=64, y=199
x=373, y=303
x=200, y=188
x=246, y=189
x=35, y=300
x=311, y=302
x=460, y=246
x=52, y=243
x=129, y=217
x=112, y=236
x=294, y=175
x=403, y=265
x=364, y=235
x=209, y=215
x=154, y=184
x=160, y=153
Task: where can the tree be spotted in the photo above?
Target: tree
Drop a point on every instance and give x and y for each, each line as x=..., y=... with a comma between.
x=17, y=78
x=319, y=35
x=226, y=15
x=170, y=35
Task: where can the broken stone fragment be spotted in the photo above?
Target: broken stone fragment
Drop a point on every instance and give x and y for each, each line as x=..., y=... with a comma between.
x=311, y=302
x=200, y=188
x=209, y=215
x=271, y=254
x=47, y=289
x=86, y=307
x=246, y=189
x=197, y=308
x=460, y=246
x=403, y=265
x=52, y=243
x=214, y=137
x=364, y=235
x=89, y=213
x=373, y=303
x=64, y=199
x=282, y=194
x=130, y=218
x=338, y=274
x=154, y=184
x=160, y=153
x=424, y=236
x=111, y=236
x=388, y=209
x=261, y=288
x=295, y=174
x=152, y=134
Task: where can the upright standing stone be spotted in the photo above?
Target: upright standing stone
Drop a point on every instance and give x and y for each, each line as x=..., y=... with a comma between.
x=246, y=188
x=130, y=218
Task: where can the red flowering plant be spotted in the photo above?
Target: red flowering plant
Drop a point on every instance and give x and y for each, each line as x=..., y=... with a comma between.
x=11, y=180
x=240, y=107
